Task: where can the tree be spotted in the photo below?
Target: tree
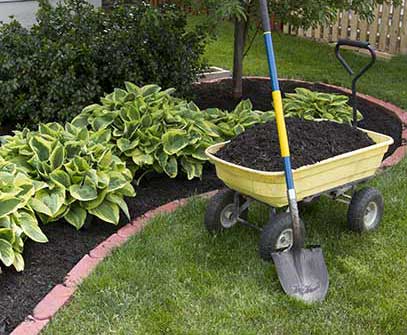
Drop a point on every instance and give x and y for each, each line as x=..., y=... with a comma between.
x=298, y=13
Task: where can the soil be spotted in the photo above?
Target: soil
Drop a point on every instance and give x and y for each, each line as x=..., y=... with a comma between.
x=218, y=94
x=47, y=264
x=310, y=142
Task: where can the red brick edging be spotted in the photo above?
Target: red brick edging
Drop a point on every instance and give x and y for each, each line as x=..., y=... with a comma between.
x=61, y=294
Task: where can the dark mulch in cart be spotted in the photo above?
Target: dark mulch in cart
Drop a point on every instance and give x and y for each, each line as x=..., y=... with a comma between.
x=218, y=95
x=258, y=147
x=47, y=264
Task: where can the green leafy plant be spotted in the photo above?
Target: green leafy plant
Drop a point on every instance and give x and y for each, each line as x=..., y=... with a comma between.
x=159, y=132
x=312, y=105
x=76, y=52
x=231, y=124
x=153, y=129
x=81, y=174
x=17, y=218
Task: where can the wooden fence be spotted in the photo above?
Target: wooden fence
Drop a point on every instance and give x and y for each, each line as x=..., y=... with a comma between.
x=388, y=32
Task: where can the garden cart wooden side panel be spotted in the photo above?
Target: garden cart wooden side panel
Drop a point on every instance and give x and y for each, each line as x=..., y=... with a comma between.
x=311, y=180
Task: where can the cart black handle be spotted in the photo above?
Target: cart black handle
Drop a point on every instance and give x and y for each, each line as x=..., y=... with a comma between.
x=360, y=45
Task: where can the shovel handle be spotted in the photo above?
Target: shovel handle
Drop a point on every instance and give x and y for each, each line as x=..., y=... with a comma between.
x=281, y=127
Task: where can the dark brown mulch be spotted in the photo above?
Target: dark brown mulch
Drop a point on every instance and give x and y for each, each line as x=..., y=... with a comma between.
x=310, y=142
x=218, y=95
x=47, y=264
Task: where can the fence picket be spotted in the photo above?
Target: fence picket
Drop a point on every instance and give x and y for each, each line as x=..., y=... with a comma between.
x=353, y=23
x=374, y=27
x=403, y=30
x=384, y=25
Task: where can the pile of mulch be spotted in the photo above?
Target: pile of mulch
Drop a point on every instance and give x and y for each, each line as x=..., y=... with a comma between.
x=310, y=142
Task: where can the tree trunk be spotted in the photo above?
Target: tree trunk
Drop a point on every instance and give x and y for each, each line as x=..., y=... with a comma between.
x=239, y=44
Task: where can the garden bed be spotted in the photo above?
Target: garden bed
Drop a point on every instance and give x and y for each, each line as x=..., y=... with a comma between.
x=47, y=264
x=217, y=93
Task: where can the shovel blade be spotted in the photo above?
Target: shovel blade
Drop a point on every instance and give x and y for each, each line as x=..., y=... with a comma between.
x=302, y=273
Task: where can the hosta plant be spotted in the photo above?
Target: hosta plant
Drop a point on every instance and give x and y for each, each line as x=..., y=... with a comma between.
x=312, y=105
x=156, y=131
x=231, y=124
x=81, y=174
x=17, y=218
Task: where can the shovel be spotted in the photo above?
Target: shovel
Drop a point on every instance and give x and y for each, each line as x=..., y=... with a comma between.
x=302, y=272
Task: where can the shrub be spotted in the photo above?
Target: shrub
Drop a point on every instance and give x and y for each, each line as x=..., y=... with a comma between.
x=311, y=105
x=17, y=219
x=80, y=173
x=75, y=53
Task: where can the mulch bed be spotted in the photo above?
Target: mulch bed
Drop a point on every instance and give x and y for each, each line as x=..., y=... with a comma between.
x=47, y=264
x=218, y=94
x=310, y=142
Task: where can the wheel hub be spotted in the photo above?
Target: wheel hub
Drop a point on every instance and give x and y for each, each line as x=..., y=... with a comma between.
x=370, y=215
x=227, y=217
x=285, y=240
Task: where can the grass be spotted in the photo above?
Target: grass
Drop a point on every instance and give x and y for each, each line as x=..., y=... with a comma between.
x=174, y=278
x=308, y=60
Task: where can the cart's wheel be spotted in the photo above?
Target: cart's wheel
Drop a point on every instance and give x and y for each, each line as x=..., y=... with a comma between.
x=365, y=210
x=277, y=235
x=219, y=213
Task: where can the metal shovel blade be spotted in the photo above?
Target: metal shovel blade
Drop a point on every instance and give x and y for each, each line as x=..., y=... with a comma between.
x=302, y=273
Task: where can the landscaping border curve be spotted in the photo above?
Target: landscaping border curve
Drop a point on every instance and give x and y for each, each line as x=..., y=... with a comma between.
x=390, y=108
x=61, y=294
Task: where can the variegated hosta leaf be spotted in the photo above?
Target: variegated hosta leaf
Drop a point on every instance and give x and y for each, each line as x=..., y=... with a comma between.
x=76, y=216
x=107, y=211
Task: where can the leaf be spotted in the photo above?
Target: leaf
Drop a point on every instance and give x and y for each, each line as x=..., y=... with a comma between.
x=48, y=201
x=76, y=216
x=41, y=147
x=141, y=158
x=8, y=206
x=29, y=225
x=171, y=167
x=107, y=211
x=118, y=200
x=85, y=192
x=117, y=181
x=61, y=178
x=174, y=140
x=6, y=253
x=18, y=262
x=57, y=157
x=7, y=234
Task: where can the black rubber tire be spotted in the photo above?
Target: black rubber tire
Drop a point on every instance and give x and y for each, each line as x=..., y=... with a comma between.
x=271, y=233
x=358, y=207
x=215, y=207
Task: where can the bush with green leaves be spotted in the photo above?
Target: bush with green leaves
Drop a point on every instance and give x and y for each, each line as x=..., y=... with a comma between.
x=17, y=219
x=159, y=132
x=76, y=53
x=81, y=174
x=231, y=124
x=311, y=105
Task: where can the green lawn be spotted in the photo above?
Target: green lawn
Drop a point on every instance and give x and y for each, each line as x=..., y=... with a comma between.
x=304, y=59
x=174, y=278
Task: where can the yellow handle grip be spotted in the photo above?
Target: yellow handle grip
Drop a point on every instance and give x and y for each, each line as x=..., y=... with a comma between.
x=281, y=128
